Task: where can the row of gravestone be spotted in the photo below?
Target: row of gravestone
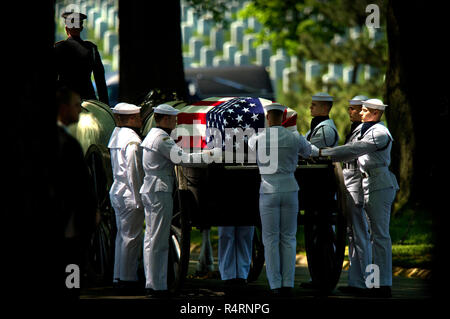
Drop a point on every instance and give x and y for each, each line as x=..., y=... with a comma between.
x=205, y=45
x=219, y=53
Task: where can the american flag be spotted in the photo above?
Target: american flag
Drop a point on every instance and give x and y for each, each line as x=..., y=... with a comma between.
x=196, y=121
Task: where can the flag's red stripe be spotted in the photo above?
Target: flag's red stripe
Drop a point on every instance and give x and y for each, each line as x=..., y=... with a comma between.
x=291, y=121
x=189, y=118
x=187, y=142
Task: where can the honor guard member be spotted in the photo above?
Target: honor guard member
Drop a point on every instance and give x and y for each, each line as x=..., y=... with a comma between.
x=323, y=132
x=372, y=149
x=76, y=59
x=359, y=246
x=126, y=161
x=278, y=201
x=235, y=253
x=159, y=155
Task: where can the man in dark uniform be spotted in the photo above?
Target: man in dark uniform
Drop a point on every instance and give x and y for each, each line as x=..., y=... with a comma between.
x=77, y=59
x=74, y=189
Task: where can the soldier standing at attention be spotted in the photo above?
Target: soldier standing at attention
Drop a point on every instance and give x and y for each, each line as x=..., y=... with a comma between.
x=278, y=197
x=323, y=132
x=372, y=149
x=359, y=246
x=126, y=156
x=160, y=154
x=76, y=59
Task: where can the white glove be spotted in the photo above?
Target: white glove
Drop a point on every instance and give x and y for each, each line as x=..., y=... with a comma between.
x=314, y=151
x=216, y=154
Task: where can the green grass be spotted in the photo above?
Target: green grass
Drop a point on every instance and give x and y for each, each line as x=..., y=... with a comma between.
x=412, y=238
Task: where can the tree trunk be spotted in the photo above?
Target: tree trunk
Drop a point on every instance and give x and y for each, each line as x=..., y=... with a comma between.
x=150, y=49
x=413, y=95
x=418, y=98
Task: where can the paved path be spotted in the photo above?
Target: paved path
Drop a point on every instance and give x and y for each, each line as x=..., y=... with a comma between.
x=201, y=293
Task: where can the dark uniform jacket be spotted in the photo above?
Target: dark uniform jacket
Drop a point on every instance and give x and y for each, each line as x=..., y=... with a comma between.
x=75, y=61
x=76, y=196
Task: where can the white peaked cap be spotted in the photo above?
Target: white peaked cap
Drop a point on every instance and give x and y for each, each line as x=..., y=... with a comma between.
x=321, y=96
x=358, y=100
x=165, y=109
x=126, y=108
x=275, y=106
x=375, y=104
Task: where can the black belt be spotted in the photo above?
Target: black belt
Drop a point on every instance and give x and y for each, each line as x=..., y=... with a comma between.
x=373, y=171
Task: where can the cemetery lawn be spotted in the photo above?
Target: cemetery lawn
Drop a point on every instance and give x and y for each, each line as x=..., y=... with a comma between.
x=411, y=234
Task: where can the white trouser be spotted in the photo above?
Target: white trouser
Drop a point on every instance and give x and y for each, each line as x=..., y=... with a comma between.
x=377, y=205
x=235, y=251
x=279, y=227
x=128, y=243
x=359, y=246
x=158, y=218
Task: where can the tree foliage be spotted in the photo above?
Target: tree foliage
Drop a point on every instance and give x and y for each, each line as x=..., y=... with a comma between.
x=325, y=31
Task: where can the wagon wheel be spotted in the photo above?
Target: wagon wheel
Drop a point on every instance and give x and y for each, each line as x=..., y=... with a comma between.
x=257, y=263
x=101, y=245
x=179, y=245
x=325, y=232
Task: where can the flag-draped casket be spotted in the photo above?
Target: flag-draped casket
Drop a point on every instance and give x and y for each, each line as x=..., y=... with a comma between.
x=220, y=119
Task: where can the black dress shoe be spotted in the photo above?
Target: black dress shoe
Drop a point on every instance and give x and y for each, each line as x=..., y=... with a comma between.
x=275, y=292
x=240, y=282
x=161, y=294
x=382, y=292
x=286, y=291
x=128, y=288
x=352, y=290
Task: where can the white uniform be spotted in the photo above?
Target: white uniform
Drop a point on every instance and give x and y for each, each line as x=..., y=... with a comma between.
x=126, y=164
x=156, y=195
x=325, y=134
x=359, y=245
x=379, y=186
x=235, y=251
x=278, y=202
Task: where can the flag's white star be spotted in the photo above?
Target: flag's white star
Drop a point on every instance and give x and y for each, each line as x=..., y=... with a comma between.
x=239, y=118
x=252, y=104
x=235, y=130
x=225, y=122
x=247, y=126
x=227, y=137
x=237, y=145
x=246, y=110
x=254, y=116
x=230, y=110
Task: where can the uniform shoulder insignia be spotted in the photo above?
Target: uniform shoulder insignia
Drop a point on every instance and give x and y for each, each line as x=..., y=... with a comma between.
x=133, y=143
x=166, y=138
